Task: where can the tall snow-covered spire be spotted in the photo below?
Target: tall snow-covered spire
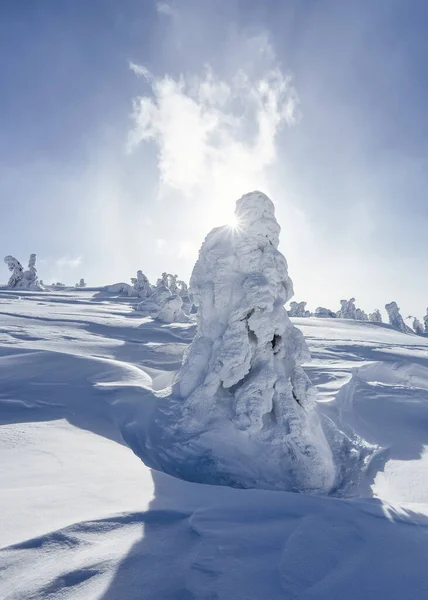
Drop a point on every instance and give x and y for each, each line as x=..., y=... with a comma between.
x=244, y=365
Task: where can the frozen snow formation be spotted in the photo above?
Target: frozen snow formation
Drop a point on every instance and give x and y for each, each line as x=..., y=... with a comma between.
x=298, y=309
x=347, y=309
x=248, y=415
x=170, y=309
x=375, y=316
x=142, y=285
x=396, y=319
x=21, y=279
x=122, y=288
x=360, y=315
x=324, y=313
x=417, y=326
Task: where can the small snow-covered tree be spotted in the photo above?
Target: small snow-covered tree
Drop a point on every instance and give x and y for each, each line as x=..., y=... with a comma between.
x=21, y=279
x=170, y=310
x=142, y=285
x=16, y=269
x=360, y=315
x=81, y=284
x=243, y=371
x=375, y=316
x=324, y=313
x=347, y=309
x=417, y=325
x=395, y=318
x=426, y=322
x=298, y=309
x=163, y=281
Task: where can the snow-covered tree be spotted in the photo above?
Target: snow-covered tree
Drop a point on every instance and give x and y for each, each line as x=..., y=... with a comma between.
x=170, y=310
x=163, y=281
x=81, y=284
x=243, y=369
x=375, y=316
x=347, y=309
x=360, y=315
x=426, y=322
x=142, y=285
x=183, y=289
x=16, y=269
x=396, y=319
x=21, y=279
x=298, y=309
x=324, y=313
x=417, y=325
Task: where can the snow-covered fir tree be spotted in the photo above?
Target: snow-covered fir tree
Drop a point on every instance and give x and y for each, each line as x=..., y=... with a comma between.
x=244, y=364
x=395, y=318
x=347, y=309
x=142, y=285
x=324, y=313
x=375, y=316
x=418, y=328
x=298, y=309
x=17, y=272
x=360, y=315
x=21, y=279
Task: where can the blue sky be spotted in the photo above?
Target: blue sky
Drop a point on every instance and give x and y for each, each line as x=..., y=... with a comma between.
x=321, y=104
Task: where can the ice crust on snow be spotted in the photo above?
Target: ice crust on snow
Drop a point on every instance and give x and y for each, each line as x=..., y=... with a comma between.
x=243, y=368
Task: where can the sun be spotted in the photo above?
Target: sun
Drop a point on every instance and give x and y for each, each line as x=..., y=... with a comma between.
x=233, y=222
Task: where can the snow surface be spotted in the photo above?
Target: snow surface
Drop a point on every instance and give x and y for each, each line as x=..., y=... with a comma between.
x=81, y=517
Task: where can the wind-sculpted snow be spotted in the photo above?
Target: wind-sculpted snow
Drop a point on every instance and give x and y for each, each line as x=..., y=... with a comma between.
x=244, y=410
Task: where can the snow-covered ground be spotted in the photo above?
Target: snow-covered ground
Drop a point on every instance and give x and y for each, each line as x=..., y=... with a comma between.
x=81, y=517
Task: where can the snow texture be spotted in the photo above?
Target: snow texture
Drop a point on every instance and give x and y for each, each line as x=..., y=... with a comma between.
x=396, y=319
x=244, y=366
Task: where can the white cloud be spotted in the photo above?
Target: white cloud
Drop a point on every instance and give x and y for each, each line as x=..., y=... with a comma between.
x=166, y=9
x=214, y=137
x=65, y=262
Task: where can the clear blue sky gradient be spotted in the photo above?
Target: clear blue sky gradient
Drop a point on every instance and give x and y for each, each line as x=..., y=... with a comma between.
x=355, y=166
